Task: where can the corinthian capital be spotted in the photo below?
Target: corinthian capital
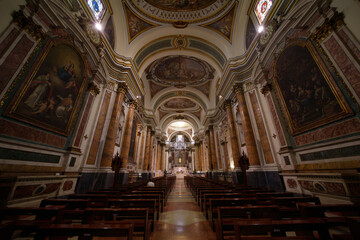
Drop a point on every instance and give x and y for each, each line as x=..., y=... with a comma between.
x=122, y=87
x=238, y=88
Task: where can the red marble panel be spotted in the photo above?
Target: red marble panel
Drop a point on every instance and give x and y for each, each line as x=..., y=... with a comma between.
x=84, y=120
x=67, y=185
x=13, y=61
x=307, y=185
x=276, y=120
x=99, y=129
x=5, y=44
x=351, y=45
x=335, y=188
x=344, y=63
x=261, y=128
x=16, y=130
x=337, y=130
x=28, y=190
x=291, y=183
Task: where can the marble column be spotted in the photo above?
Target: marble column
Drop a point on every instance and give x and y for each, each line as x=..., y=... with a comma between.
x=226, y=156
x=248, y=132
x=137, y=142
x=163, y=167
x=232, y=131
x=158, y=157
x=147, y=149
x=202, y=159
x=124, y=155
x=151, y=151
x=212, y=149
x=110, y=140
x=141, y=151
x=197, y=156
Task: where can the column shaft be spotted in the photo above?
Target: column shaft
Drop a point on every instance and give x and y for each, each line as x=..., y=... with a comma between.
x=233, y=137
x=147, y=149
x=124, y=155
x=158, y=157
x=212, y=148
x=248, y=132
x=109, y=145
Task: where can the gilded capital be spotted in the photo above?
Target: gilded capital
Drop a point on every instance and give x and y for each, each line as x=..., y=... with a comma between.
x=122, y=87
x=266, y=88
x=132, y=104
x=328, y=27
x=93, y=88
x=227, y=104
x=238, y=88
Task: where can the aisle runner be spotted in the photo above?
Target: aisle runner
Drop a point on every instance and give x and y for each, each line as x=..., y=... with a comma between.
x=182, y=218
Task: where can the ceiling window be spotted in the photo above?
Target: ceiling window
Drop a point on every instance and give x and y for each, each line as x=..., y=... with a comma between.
x=262, y=9
x=97, y=8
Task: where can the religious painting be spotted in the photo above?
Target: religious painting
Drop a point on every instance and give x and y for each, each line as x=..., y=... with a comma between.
x=180, y=70
x=307, y=93
x=52, y=91
x=178, y=5
x=109, y=32
x=136, y=25
x=179, y=103
x=132, y=143
x=224, y=26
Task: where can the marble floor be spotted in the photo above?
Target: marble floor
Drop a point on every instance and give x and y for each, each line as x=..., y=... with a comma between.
x=182, y=218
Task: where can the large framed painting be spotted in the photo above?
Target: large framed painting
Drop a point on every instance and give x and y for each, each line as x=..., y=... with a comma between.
x=308, y=92
x=50, y=95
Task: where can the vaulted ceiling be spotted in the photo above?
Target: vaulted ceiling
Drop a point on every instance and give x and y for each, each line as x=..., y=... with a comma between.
x=180, y=50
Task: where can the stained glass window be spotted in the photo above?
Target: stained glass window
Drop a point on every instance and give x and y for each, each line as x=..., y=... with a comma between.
x=97, y=8
x=262, y=8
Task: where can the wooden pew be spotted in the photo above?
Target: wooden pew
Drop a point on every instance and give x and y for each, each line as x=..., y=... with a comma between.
x=137, y=203
x=205, y=203
x=201, y=193
x=161, y=193
x=309, y=210
x=280, y=227
x=137, y=216
x=85, y=231
x=18, y=213
x=159, y=203
x=227, y=216
x=68, y=203
x=227, y=202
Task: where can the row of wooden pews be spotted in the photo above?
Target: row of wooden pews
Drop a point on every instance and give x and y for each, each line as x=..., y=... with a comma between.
x=125, y=211
x=243, y=212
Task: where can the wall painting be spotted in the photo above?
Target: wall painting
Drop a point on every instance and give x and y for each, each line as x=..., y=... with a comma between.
x=52, y=90
x=307, y=92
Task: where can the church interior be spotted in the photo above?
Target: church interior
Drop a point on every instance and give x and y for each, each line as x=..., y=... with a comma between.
x=231, y=109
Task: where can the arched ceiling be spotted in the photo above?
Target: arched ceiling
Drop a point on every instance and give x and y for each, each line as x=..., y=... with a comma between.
x=180, y=50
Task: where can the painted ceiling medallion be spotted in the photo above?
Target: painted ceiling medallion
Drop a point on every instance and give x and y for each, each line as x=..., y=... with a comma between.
x=180, y=103
x=180, y=10
x=180, y=70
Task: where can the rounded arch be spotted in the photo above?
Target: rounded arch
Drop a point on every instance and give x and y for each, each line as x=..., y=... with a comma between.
x=177, y=132
x=170, y=118
x=168, y=95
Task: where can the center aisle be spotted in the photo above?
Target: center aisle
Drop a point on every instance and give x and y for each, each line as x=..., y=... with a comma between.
x=182, y=218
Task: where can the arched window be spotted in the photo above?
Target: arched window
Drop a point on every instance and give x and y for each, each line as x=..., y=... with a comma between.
x=97, y=8
x=262, y=8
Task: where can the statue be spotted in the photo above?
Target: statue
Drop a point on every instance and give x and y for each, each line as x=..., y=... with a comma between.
x=244, y=165
x=115, y=166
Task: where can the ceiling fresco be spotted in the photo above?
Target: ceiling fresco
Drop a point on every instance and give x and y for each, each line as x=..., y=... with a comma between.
x=177, y=5
x=180, y=10
x=180, y=70
x=155, y=88
x=179, y=103
x=224, y=26
x=136, y=25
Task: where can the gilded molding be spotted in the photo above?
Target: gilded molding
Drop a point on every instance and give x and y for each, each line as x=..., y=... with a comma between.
x=94, y=89
x=122, y=87
x=328, y=27
x=266, y=88
x=28, y=25
x=238, y=88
